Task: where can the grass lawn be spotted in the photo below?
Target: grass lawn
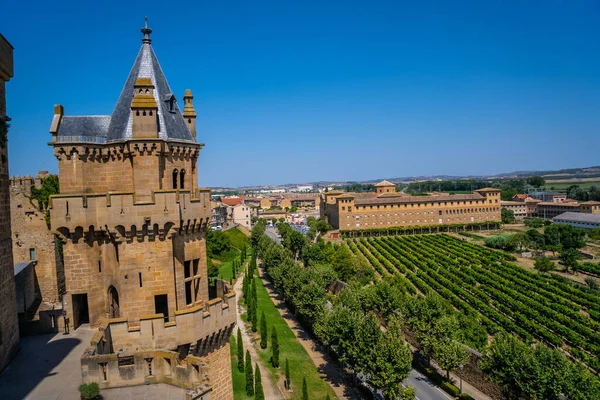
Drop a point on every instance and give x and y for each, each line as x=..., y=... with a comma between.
x=226, y=269
x=238, y=238
x=239, y=378
x=300, y=363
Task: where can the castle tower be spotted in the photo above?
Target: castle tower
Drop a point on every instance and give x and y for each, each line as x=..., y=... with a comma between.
x=189, y=113
x=133, y=224
x=9, y=328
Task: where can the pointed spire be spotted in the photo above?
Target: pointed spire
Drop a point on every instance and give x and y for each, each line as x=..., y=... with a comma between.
x=146, y=31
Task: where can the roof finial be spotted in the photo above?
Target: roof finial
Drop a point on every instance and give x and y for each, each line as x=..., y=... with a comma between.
x=146, y=31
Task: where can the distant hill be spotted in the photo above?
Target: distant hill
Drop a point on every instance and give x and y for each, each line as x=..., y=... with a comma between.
x=561, y=175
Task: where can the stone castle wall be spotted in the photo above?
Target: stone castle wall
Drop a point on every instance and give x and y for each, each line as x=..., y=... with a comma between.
x=30, y=232
x=203, y=365
x=9, y=328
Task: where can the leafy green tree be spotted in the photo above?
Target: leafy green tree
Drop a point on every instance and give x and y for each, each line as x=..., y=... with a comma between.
x=328, y=397
x=304, y=389
x=536, y=181
x=565, y=235
x=257, y=232
x=263, y=331
x=259, y=394
x=543, y=264
x=275, y=349
x=288, y=380
x=507, y=215
x=408, y=393
x=249, y=375
x=50, y=186
x=390, y=362
x=240, y=351
x=449, y=354
x=568, y=258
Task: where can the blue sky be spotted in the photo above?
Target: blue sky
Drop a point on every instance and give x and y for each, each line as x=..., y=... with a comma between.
x=290, y=91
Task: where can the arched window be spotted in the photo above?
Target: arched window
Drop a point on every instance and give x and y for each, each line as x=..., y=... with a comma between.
x=137, y=113
x=182, y=179
x=150, y=112
x=175, y=178
x=144, y=113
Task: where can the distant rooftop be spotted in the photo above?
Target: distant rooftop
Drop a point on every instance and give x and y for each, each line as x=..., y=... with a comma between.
x=578, y=217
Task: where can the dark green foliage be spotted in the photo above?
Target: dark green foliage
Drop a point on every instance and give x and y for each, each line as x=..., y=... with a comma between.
x=263, y=331
x=536, y=181
x=216, y=243
x=249, y=375
x=50, y=186
x=566, y=236
x=508, y=216
x=253, y=303
x=275, y=348
x=240, y=351
x=89, y=390
x=537, y=373
x=258, y=389
x=568, y=258
x=544, y=264
x=304, y=389
x=288, y=381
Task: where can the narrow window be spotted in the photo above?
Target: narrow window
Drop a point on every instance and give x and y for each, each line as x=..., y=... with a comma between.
x=150, y=112
x=99, y=266
x=140, y=276
x=182, y=179
x=32, y=254
x=137, y=113
x=67, y=208
x=175, y=172
x=144, y=113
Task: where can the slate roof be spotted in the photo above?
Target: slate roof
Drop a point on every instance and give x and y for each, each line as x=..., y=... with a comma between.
x=118, y=126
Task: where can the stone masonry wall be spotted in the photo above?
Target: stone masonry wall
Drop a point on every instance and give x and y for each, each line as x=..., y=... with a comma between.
x=30, y=231
x=9, y=328
x=219, y=372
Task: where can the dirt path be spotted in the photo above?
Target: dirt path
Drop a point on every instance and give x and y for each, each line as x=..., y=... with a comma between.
x=271, y=389
x=328, y=369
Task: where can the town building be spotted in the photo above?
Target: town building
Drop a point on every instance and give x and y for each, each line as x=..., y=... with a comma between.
x=386, y=208
x=579, y=220
x=9, y=327
x=219, y=214
x=519, y=208
x=549, y=197
x=549, y=210
x=242, y=215
x=132, y=224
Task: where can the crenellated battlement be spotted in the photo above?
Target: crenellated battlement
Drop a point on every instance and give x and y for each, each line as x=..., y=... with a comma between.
x=123, y=217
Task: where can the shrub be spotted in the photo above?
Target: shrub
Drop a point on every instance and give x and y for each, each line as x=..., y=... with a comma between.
x=464, y=396
x=450, y=389
x=89, y=390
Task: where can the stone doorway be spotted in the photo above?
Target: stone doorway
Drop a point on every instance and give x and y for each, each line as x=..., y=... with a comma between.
x=161, y=305
x=81, y=313
x=113, y=303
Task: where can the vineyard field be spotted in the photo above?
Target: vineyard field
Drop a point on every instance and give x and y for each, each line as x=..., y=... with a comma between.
x=489, y=286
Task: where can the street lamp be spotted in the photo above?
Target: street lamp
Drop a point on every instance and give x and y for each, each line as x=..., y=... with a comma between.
x=460, y=370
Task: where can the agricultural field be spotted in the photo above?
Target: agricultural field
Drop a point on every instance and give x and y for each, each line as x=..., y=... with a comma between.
x=563, y=185
x=487, y=284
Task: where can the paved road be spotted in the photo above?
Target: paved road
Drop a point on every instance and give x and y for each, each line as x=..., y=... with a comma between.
x=273, y=234
x=426, y=390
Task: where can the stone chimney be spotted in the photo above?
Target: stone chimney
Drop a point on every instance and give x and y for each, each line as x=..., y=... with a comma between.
x=189, y=114
x=144, y=109
x=59, y=111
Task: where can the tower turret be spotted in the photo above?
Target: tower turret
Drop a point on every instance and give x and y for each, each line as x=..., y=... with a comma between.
x=144, y=109
x=189, y=113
